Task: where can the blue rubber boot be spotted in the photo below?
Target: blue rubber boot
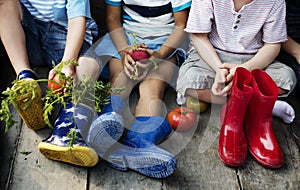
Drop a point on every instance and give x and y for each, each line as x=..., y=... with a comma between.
x=139, y=152
x=58, y=146
x=27, y=74
x=108, y=128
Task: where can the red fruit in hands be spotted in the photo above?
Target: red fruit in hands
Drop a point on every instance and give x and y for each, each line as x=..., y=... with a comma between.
x=182, y=118
x=139, y=54
x=56, y=84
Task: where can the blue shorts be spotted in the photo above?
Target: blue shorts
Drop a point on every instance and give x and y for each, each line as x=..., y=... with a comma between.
x=45, y=41
x=105, y=49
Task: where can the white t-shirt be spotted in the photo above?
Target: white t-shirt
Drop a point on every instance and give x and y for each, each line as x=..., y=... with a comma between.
x=244, y=31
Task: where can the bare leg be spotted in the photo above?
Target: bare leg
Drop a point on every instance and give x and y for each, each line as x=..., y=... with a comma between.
x=12, y=34
x=89, y=67
x=151, y=92
x=205, y=95
x=119, y=79
x=152, y=89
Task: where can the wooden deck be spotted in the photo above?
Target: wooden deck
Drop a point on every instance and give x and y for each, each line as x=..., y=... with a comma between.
x=198, y=165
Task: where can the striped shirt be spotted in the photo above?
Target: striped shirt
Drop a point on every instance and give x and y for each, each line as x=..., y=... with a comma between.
x=242, y=31
x=149, y=21
x=60, y=11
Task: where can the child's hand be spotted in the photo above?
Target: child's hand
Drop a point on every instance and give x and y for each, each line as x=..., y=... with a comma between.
x=219, y=87
x=298, y=58
x=231, y=68
x=142, y=68
x=127, y=61
x=136, y=62
x=63, y=71
x=67, y=70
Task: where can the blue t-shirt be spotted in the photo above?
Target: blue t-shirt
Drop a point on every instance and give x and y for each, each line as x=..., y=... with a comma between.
x=60, y=11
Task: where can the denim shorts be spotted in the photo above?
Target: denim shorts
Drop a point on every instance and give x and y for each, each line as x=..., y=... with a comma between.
x=45, y=41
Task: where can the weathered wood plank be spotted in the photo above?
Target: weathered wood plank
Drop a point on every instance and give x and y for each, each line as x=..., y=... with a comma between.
x=254, y=176
x=8, y=146
x=34, y=171
x=198, y=164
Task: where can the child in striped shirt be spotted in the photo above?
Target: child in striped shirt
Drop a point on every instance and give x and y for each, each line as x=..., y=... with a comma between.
x=230, y=34
x=238, y=40
x=40, y=32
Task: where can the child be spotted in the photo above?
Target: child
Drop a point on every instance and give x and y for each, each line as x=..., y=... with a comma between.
x=291, y=48
x=41, y=32
x=231, y=34
x=158, y=30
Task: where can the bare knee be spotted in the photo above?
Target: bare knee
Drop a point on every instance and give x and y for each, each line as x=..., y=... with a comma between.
x=87, y=67
x=152, y=89
x=196, y=93
x=205, y=95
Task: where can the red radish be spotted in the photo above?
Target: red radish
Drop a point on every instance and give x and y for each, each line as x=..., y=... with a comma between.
x=138, y=55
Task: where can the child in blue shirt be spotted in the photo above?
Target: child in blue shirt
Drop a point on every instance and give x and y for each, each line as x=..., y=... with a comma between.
x=41, y=32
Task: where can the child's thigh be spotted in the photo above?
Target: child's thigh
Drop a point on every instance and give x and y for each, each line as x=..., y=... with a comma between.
x=166, y=70
x=195, y=73
x=283, y=76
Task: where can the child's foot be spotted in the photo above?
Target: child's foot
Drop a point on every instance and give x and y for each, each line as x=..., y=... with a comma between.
x=284, y=111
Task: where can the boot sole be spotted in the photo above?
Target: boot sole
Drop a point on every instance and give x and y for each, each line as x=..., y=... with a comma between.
x=150, y=166
x=105, y=132
x=31, y=114
x=78, y=155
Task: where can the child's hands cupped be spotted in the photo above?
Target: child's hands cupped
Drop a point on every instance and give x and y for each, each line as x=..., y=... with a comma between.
x=231, y=68
x=141, y=70
x=129, y=65
x=219, y=87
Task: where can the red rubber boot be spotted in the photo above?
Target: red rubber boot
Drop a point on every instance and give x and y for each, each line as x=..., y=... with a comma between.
x=232, y=141
x=262, y=142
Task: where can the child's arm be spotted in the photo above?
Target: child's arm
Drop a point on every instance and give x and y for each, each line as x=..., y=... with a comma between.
x=117, y=34
x=209, y=55
x=114, y=27
x=265, y=56
x=75, y=37
x=206, y=50
x=293, y=48
x=175, y=38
